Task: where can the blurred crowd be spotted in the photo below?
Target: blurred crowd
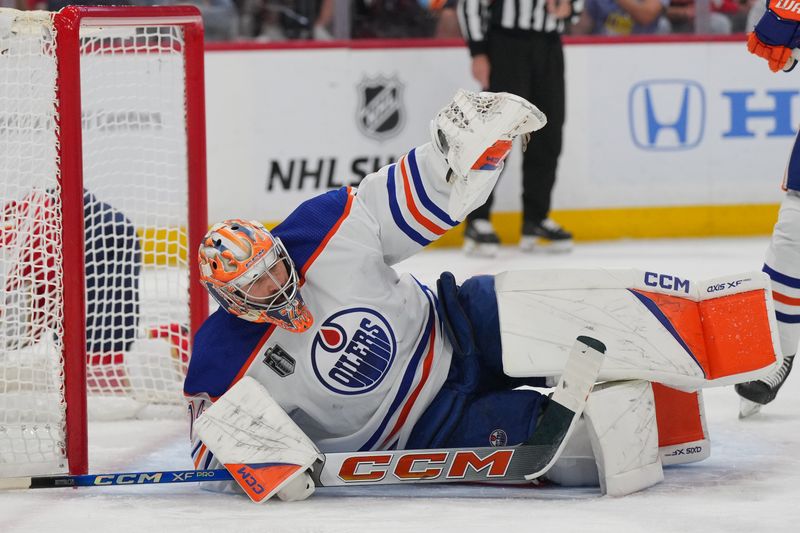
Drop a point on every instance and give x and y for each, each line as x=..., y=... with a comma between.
x=281, y=20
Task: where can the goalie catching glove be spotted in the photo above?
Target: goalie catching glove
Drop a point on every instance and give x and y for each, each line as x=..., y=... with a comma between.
x=474, y=133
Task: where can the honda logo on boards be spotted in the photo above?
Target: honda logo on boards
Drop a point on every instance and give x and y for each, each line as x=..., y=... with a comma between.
x=667, y=115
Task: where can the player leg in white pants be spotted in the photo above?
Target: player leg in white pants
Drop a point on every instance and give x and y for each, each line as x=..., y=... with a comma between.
x=782, y=264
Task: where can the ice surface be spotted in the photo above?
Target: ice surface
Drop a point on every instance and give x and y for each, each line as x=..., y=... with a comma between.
x=750, y=484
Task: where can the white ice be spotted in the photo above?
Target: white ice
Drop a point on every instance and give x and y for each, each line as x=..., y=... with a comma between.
x=750, y=484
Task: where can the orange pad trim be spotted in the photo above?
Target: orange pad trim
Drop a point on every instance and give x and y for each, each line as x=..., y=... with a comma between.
x=677, y=416
x=259, y=480
x=728, y=335
x=737, y=332
x=493, y=156
x=683, y=316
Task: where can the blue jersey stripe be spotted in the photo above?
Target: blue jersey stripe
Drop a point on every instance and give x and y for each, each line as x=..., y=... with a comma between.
x=407, y=381
x=423, y=196
x=653, y=308
x=397, y=214
x=208, y=460
x=424, y=288
x=783, y=279
x=199, y=443
x=787, y=319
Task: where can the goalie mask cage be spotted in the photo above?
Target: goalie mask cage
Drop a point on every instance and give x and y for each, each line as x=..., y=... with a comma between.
x=102, y=205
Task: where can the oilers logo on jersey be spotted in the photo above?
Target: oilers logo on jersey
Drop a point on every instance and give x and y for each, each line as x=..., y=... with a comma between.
x=498, y=437
x=353, y=351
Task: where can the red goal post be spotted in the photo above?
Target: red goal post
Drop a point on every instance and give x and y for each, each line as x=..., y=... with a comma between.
x=103, y=199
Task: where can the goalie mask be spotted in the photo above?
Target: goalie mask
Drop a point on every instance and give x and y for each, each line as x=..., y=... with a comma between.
x=249, y=273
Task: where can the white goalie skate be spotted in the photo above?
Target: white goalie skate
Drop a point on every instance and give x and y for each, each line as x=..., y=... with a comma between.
x=474, y=133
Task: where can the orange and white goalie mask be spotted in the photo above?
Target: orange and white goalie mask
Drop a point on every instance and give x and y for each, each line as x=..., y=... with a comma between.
x=249, y=273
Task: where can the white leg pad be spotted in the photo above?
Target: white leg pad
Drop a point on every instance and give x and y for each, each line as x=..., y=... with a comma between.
x=657, y=327
x=621, y=421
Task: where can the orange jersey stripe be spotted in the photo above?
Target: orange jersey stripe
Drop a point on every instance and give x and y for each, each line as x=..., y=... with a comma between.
x=419, y=217
x=200, y=453
x=782, y=298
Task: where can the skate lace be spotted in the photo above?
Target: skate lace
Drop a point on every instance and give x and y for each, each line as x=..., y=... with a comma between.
x=777, y=378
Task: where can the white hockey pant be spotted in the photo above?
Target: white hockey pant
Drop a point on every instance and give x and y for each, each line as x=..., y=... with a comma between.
x=783, y=266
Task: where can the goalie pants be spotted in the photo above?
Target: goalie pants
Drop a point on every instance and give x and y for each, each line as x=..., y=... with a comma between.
x=531, y=64
x=477, y=405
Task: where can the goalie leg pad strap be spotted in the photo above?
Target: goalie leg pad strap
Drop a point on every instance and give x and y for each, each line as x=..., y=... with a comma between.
x=621, y=420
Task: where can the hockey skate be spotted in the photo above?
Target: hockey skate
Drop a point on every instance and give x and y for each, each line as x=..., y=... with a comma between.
x=756, y=394
x=480, y=239
x=546, y=236
x=474, y=133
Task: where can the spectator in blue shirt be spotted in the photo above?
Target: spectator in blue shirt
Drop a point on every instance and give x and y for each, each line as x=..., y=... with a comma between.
x=622, y=17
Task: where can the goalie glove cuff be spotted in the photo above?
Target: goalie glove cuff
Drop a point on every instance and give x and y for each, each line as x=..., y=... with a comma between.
x=773, y=30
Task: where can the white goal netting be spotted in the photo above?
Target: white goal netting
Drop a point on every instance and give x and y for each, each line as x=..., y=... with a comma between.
x=135, y=189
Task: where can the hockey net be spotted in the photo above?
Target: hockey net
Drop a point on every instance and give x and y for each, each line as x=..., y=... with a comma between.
x=102, y=188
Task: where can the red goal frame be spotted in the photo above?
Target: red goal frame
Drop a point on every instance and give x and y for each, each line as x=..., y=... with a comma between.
x=68, y=23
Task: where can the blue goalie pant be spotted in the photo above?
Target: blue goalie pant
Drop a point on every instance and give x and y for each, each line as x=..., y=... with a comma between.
x=478, y=405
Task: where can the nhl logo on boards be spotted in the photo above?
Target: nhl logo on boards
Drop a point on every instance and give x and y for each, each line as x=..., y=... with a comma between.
x=353, y=351
x=498, y=437
x=380, y=113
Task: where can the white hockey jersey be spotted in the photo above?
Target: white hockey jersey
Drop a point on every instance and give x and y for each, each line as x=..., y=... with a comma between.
x=376, y=355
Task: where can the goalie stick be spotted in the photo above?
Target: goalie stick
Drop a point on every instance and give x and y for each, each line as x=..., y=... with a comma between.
x=794, y=58
x=527, y=461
